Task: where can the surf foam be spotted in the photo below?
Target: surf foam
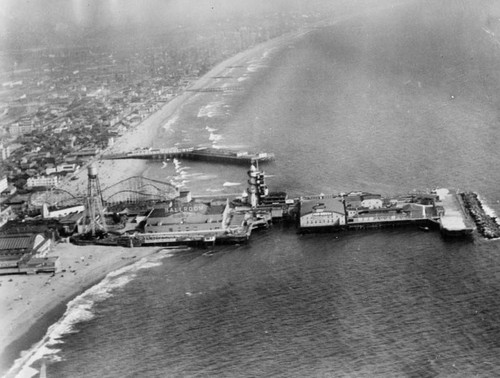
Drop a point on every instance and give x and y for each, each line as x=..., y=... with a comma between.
x=488, y=210
x=78, y=310
x=227, y=183
x=170, y=122
x=213, y=109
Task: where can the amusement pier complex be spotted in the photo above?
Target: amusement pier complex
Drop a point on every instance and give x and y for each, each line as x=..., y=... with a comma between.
x=143, y=212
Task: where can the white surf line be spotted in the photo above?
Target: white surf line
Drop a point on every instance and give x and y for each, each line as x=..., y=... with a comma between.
x=78, y=310
x=488, y=210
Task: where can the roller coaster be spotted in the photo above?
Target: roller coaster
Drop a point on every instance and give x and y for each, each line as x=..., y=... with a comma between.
x=131, y=190
x=139, y=189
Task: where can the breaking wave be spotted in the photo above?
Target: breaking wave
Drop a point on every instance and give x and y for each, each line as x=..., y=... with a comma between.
x=170, y=122
x=255, y=67
x=488, y=210
x=227, y=183
x=214, y=137
x=78, y=310
x=213, y=109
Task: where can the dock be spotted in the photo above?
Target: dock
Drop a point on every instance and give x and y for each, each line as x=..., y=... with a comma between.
x=196, y=153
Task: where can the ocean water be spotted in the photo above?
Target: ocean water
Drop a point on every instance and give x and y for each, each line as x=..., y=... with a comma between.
x=401, y=101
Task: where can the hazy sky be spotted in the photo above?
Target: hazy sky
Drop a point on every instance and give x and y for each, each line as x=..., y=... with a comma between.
x=34, y=21
x=38, y=21
x=85, y=13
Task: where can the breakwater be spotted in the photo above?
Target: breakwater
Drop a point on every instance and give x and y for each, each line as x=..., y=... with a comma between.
x=486, y=225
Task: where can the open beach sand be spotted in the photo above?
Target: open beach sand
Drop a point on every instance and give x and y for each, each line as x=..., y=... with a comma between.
x=24, y=300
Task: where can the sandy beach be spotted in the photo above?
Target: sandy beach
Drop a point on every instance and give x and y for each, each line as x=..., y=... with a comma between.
x=25, y=300
x=144, y=134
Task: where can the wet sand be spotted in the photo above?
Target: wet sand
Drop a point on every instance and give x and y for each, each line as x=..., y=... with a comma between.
x=25, y=299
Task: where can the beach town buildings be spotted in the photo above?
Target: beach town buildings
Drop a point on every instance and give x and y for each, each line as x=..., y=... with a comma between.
x=42, y=182
x=6, y=214
x=4, y=185
x=62, y=168
x=60, y=213
x=66, y=101
x=4, y=152
x=26, y=253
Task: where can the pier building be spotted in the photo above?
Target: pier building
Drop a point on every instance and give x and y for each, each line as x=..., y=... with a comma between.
x=322, y=213
x=187, y=220
x=357, y=210
x=195, y=222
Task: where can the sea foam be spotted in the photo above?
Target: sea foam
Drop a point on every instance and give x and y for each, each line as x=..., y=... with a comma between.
x=227, y=183
x=213, y=109
x=78, y=310
x=488, y=210
x=170, y=122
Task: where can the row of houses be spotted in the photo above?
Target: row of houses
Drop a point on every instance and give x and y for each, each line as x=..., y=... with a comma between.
x=4, y=152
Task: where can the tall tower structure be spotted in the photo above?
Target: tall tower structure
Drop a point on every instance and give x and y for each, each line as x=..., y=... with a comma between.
x=257, y=188
x=94, y=212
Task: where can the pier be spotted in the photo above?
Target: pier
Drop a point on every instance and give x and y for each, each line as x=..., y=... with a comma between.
x=163, y=215
x=454, y=220
x=199, y=153
x=358, y=210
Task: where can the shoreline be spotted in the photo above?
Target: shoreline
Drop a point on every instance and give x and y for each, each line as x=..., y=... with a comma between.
x=144, y=134
x=47, y=296
x=29, y=301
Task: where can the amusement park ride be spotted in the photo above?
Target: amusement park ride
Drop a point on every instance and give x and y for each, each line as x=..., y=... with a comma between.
x=174, y=218
x=93, y=219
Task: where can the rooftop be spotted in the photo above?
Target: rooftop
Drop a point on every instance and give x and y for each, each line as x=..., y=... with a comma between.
x=324, y=204
x=19, y=242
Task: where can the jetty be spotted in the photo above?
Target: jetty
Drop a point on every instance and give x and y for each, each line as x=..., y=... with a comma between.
x=486, y=224
x=211, y=154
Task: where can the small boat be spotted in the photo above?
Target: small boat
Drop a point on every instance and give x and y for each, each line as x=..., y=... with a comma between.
x=424, y=228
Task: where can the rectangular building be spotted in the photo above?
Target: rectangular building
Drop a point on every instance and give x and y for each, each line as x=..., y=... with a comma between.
x=322, y=214
x=42, y=182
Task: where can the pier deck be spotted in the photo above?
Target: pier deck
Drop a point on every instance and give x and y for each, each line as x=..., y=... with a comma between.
x=455, y=220
x=191, y=153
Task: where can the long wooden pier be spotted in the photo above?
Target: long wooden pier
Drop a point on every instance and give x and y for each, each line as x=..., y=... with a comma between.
x=192, y=153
